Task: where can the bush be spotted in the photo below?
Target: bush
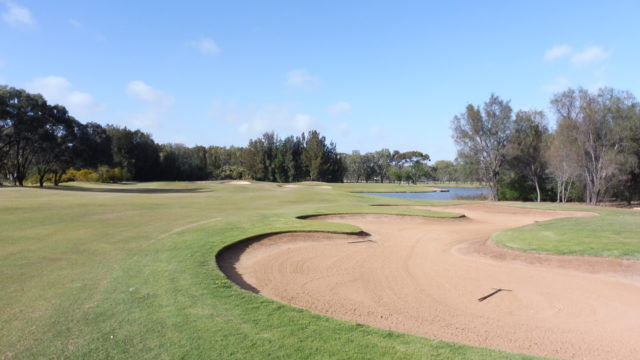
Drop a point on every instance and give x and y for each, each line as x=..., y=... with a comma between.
x=231, y=172
x=69, y=175
x=86, y=175
x=109, y=175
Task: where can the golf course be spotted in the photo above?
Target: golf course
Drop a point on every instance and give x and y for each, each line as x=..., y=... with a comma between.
x=323, y=180
x=132, y=270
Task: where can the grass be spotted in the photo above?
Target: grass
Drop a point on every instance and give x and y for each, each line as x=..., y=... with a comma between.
x=363, y=187
x=128, y=271
x=614, y=233
x=372, y=187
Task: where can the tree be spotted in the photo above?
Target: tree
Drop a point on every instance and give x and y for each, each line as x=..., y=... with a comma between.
x=482, y=137
x=444, y=171
x=355, y=166
x=55, y=150
x=183, y=163
x=313, y=156
x=526, y=147
x=136, y=153
x=92, y=147
x=591, y=117
x=626, y=132
x=382, y=162
x=561, y=154
x=24, y=121
x=416, y=172
x=259, y=157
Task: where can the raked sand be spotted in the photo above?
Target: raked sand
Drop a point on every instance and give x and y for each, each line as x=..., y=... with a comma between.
x=424, y=276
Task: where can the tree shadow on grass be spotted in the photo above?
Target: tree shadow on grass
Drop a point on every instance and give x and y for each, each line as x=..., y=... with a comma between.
x=125, y=190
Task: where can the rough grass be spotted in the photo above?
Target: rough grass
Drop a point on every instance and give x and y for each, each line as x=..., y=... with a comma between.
x=614, y=233
x=129, y=272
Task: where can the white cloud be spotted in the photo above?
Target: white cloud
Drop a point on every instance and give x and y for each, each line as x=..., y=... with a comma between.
x=252, y=120
x=158, y=105
x=557, y=51
x=76, y=24
x=16, y=15
x=340, y=108
x=301, y=79
x=560, y=83
x=206, y=46
x=58, y=90
x=139, y=90
x=303, y=122
x=590, y=55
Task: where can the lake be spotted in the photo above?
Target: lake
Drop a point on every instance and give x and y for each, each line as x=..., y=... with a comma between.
x=452, y=194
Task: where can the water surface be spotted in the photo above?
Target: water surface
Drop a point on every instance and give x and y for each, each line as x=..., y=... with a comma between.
x=452, y=194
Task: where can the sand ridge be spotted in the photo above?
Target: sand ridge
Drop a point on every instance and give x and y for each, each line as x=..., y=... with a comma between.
x=424, y=276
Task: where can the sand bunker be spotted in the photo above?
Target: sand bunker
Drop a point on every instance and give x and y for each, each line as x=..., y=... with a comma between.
x=237, y=182
x=307, y=186
x=424, y=276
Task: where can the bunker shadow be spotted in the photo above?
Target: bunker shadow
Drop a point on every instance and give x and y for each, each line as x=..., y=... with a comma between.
x=125, y=190
x=229, y=256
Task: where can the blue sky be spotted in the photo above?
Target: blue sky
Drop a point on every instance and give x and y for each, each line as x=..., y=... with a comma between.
x=367, y=74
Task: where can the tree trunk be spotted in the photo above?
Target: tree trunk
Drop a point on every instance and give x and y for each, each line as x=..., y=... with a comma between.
x=566, y=194
x=537, y=189
x=57, y=177
x=493, y=184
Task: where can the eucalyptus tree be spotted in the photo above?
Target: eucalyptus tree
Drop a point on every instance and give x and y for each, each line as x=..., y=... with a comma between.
x=356, y=166
x=526, y=147
x=563, y=160
x=482, y=136
x=592, y=116
x=444, y=171
x=382, y=163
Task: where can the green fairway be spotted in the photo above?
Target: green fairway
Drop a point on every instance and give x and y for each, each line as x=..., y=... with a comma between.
x=128, y=271
x=614, y=233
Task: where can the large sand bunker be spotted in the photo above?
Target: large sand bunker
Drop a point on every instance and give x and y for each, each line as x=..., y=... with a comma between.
x=424, y=276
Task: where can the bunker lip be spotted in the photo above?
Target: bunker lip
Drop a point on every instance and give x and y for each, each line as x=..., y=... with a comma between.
x=424, y=276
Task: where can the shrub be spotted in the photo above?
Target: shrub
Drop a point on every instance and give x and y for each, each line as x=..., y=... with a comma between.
x=232, y=172
x=86, y=175
x=69, y=175
x=109, y=175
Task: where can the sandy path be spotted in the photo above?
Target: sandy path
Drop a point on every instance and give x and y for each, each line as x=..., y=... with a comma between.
x=423, y=276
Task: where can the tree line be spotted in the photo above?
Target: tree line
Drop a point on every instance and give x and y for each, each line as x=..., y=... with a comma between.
x=591, y=154
x=42, y=142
